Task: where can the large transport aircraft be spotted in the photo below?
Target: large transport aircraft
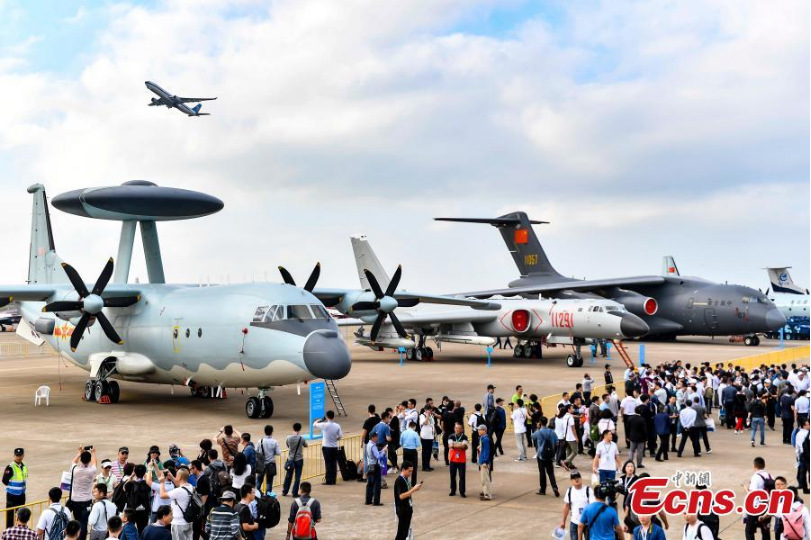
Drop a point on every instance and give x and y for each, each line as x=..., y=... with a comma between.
x=532, y=322
x=172, y=101
x=671, y=305
x=250, y=335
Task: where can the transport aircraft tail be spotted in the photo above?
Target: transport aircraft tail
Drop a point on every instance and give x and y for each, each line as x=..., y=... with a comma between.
x=669, y=267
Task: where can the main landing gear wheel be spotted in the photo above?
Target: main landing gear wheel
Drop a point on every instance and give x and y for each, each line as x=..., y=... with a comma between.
x=418, y=354
x=90, y=391
x=756, y=341
x=409, y=354
x=518, y=351
x=528, y=350
x=751, y=341
x=252, y=407
x=573, y=361
x=429, y=352
x=102, y=389
x=265, y=407
x=115, y=391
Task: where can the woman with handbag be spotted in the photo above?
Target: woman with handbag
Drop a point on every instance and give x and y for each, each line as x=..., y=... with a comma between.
x=294, y=463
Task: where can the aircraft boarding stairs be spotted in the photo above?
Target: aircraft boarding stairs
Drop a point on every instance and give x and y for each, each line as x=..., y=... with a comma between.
x=336, y=399
x=623, y=352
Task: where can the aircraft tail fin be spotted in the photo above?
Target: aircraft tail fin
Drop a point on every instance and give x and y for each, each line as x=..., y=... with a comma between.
x=781, y=282
x=365, y=259
x=669, y=267
x=196, y=110
x=527, y=252
x=44, y=265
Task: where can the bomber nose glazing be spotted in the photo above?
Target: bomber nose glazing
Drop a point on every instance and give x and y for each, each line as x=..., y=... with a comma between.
x=632, y=326
x=326, y=355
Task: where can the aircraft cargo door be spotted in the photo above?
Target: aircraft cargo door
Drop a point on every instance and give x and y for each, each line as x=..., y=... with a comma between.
x=711, y=319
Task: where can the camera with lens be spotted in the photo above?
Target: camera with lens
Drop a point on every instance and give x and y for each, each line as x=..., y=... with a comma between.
x=609, y=489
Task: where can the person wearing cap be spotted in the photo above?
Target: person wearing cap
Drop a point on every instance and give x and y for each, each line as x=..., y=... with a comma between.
x=575, y=501
x=153, y=462
x=489, y=403
x=15, y=478
x=484, y=460
x=177, y=455
x=117, y=466
x=223, y=521
x=105, y=476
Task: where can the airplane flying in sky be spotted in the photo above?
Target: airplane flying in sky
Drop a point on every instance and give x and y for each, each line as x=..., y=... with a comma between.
x=172, y=101
x=671, y=305
x=531, y=322
x=250, y=335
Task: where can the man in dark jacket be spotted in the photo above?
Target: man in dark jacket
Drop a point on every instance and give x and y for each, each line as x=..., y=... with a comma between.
x=638, y=435
x=728, y=401
x=499, y=427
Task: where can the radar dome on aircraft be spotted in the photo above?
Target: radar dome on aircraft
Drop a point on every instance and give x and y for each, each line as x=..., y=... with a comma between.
x=137, y=200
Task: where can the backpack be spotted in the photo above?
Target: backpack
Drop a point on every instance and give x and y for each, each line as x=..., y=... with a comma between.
x=119, y=497
x=594, y=432
x=303, y=523
x=698, y=530
x=793, y=525
x=768, y=483
x=351, y=470
x=268, y=512
x=219, y=478
x=139, y=496
x=194, y=508
x=58, y=525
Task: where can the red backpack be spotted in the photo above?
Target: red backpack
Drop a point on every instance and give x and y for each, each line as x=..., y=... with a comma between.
x=303, y=524
x=793, y=525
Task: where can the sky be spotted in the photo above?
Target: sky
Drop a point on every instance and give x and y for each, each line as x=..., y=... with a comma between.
x=638, y=129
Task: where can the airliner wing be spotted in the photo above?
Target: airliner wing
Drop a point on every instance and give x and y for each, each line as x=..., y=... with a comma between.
x=195, y=99
x=580, y=286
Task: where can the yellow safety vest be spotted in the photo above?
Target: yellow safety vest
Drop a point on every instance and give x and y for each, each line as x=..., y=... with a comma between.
x=19, y=475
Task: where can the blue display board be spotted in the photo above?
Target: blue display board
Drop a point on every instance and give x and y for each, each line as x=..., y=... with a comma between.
x=317, y=406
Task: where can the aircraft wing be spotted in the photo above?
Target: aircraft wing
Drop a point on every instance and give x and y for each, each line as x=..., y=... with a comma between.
x=195, y=99
x=578, y=285
x=41, y=293
x=330, y=297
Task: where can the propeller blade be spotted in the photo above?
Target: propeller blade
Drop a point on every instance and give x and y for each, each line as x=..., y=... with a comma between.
x=109, y=331
x=397, y=325
x=286, y=276
x=313, y=279
x=407, y=302
x=376, y=326
x=75, y=280
x=76, y=336
x=395, y=280
x=62, y=306
x=104, y=277
x=5, y=300
x=374, y=284
x=364, y=306
x=121, y=301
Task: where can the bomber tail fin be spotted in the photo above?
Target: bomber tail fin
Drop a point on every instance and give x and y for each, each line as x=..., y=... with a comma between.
x=44, y=265
x=527, y=252
x=781, y=282
x=365, y=259
x=669, y=267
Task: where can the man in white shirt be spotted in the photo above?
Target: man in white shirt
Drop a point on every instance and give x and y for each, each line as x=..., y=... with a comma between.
x=627, y=409
x=102, y=511
x=687, y=419
x=695, y=529
x=575, y=500
x=519, y=418
x=801, y=407
x=181, y=498
x=331, y=432
x=45, y=523
x=758, y=483
x=606, y=458
x=802, y=459
x=570, y=436
x=427, y=435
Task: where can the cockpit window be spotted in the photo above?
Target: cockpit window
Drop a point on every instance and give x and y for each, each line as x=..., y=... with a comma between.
x=615, y=309
x=763, y=300
x=319, y=312
x=275, y=313
x=299, y=312
x=259, y=314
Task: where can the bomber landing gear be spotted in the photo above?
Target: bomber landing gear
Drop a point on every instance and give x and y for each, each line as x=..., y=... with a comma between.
x=259, y=406
x=420, y=352
x=530, y=349
x=751, y=341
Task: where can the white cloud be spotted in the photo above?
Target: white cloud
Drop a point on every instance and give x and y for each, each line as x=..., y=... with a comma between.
x=639, y=129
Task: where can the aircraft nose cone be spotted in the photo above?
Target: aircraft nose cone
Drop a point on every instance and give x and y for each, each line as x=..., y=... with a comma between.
x=774, y=319
x=326, y=355
x=632, y=326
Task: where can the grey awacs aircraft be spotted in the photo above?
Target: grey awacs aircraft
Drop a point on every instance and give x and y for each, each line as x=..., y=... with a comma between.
x=172, y=101
x=248, y=335
x=671, y=305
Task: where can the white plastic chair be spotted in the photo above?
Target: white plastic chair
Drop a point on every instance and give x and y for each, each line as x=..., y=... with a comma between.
x=43, y=392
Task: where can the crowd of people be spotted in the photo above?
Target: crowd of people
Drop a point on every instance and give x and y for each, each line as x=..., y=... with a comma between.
x=225, y=492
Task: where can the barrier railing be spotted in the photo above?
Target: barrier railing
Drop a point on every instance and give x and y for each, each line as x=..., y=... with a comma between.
x=24, y=349
x=782, y=356
x=36, y=507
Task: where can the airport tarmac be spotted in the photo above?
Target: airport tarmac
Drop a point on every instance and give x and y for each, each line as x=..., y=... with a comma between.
x=151, y=414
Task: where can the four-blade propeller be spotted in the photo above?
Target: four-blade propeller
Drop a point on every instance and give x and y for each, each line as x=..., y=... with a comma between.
x=311, y=281
x=91, y=303
x=385, y=303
